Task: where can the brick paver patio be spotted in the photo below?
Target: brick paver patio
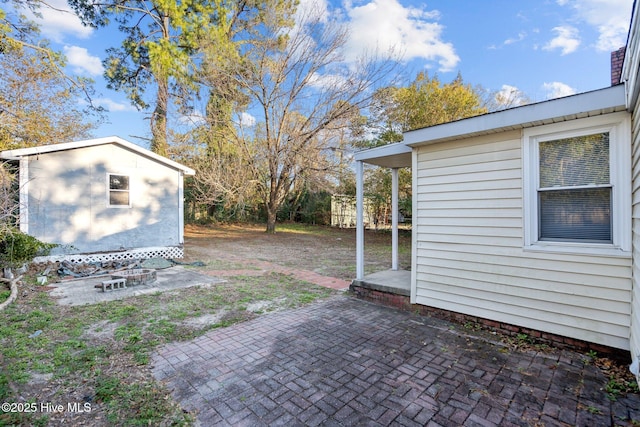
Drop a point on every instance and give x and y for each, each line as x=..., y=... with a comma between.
x=344, y=361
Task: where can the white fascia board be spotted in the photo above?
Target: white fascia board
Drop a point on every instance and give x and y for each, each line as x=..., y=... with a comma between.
x=23, y=152
x=587, y=104
x=396, y=155
x=32, y=151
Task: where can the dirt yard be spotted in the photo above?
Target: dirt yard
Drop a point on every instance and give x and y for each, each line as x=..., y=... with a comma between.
x=324, y=250
x=92, y=360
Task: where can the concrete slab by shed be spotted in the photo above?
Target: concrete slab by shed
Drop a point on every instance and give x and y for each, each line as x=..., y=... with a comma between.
x=83, y=291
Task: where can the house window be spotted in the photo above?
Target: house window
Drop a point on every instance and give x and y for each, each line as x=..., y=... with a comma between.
x=118, y=190
x=577, y=192
x=574, y=189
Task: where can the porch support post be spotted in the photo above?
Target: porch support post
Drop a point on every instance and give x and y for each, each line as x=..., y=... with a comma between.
x=394, y=219
x=359, y=220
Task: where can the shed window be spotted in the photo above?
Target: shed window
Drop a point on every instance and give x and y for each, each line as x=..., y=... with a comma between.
x=119, y=190
x=577, y=192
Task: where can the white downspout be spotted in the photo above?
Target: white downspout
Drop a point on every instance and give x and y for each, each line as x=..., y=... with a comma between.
x=359, y=220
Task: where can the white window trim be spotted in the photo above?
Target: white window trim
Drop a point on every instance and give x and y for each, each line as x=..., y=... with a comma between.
x=108, y=180
x=619, y=127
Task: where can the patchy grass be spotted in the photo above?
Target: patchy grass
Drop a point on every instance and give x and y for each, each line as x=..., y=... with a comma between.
x=220, y=264
x=97, y=355
x=4, y=293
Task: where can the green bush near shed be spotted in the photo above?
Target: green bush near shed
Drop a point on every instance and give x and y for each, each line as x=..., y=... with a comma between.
x=17, y=248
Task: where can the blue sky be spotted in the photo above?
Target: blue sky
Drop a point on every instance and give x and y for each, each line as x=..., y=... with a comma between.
x=543, y=48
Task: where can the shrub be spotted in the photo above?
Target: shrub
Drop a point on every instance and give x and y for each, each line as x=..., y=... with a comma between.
x=17, y=248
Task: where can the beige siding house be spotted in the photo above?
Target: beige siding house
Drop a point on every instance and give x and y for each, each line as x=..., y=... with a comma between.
x=531, y=216
x=475, y=255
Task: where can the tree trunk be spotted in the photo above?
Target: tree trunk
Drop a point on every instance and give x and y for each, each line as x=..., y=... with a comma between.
x=159, y=143
x=271, y=219
x=273, y=202
x=159, y=119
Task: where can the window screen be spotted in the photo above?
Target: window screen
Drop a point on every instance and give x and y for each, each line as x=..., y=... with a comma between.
x=574, y=196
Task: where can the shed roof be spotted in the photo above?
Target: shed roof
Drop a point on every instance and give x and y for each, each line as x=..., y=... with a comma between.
x=33, y=151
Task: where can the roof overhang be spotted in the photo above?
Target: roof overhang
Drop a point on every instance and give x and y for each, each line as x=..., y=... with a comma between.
x=588, y=104
x=396, y=155
x=33, y=151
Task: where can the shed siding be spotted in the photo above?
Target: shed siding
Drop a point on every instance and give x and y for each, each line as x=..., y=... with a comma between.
x=68, y=200
x=470, y=257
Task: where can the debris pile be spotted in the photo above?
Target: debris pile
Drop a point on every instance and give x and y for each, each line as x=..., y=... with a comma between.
x=75, y=270
x=92, y=269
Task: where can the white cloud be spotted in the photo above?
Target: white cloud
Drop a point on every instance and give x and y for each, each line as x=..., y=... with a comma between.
x=114, y=106
x=193, y=119
x=326, y=80
x=610, y=18
x=521, y=36
x=509, y=96
x=386, y=25
x=82, y=62
x=567, y=40
x=557, y=90
x=314, y=8
x=247, y=119
x=307, y=10
x=58, y=21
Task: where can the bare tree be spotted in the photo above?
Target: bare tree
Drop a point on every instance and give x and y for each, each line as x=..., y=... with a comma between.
x=303, y=93
x=506, y=97
x=38, y=101
x=8, y=202
x=17, y=32
x=223, y=179
x=37, y=105
x=215, y=148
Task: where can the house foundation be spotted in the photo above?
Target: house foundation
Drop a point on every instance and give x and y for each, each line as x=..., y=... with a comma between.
x=396, y=297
